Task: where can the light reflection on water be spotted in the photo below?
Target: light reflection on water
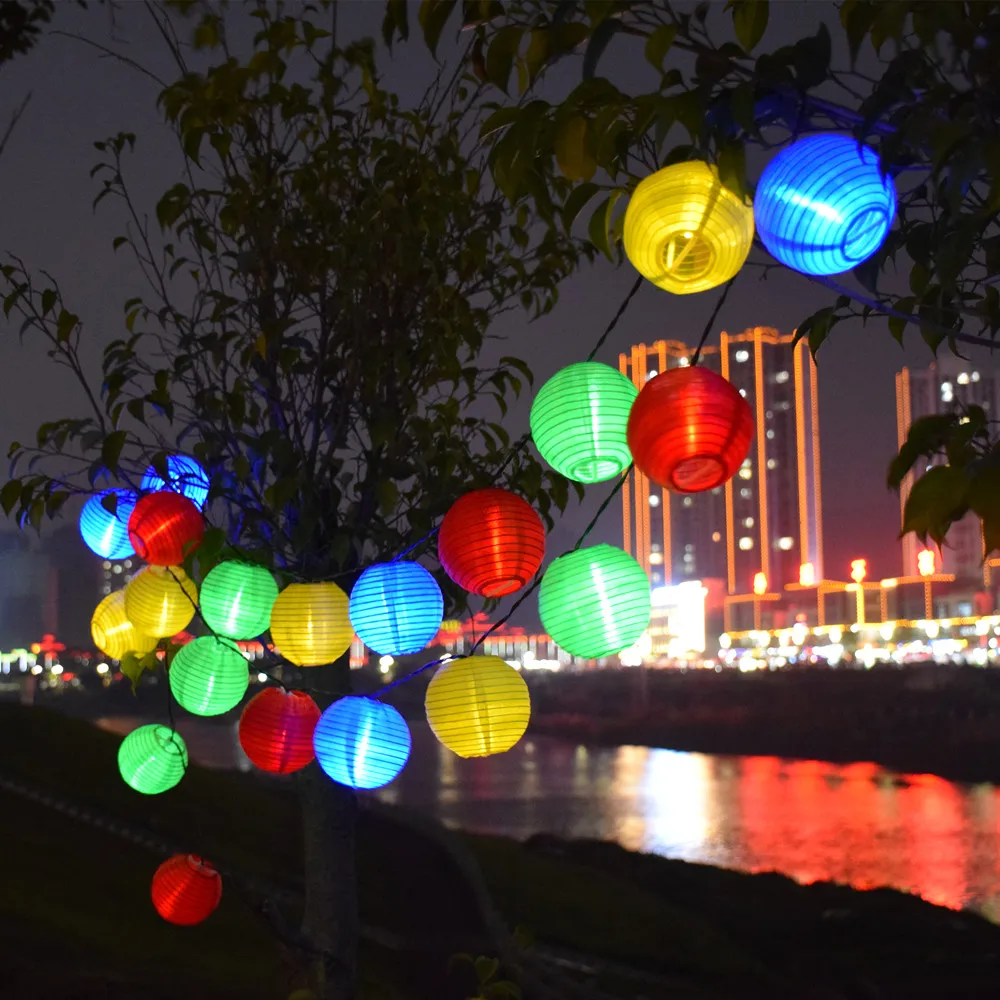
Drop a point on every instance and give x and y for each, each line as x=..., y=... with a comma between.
x=851, y=823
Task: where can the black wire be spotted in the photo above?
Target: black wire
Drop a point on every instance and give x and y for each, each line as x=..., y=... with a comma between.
x=618, y=315
x=711, y=319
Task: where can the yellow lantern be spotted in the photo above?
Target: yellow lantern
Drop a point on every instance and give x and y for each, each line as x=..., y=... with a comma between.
x=478, y=705
x=684, y=231
x=161, y=600
x=310, y=623
x=114, y=634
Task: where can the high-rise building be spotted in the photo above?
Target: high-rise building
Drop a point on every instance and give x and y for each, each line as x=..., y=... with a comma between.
x=945, y=386
x=768, y=519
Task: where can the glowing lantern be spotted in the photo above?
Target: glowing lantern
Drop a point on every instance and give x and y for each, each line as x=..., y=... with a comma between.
x=684, y=231
x=152, y=759
x=689, y=430
x=823, y=206
x=759, y=583
x=236, y=600
x=925, y=562
x=396, y=608
x=114, y=635
x=276, y=730
x=209, y=676
x=491, y=542
x=807, y=575
x=477, y=706
x=104, y=533
x=185, y=476
x=595, y=601
x=186, y=890
x=164, y=528
x=361, y=743
x=310, y=623
x=161, y=600
x=578, y=421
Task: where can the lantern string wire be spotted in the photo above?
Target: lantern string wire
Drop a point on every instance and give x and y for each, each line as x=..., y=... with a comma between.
x=639, y=281
x=696, y=357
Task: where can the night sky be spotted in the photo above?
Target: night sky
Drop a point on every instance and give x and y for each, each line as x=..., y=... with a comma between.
x=78, y=97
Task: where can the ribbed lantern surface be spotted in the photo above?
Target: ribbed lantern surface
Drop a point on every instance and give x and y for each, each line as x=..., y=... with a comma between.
x=310, y=623
x=185, y=476
x=276, y=730
x=161, y=600
x=236, y=599
x=361, y=742
x=209, y=676
x=396, y=608
x=104, y=533
x=152, y=759
x=112, y=631
x=164, y=528
x=186, y=890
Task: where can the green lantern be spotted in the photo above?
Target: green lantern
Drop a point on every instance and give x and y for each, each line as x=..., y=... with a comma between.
x=209, y=676
x=594, y=602
x=152, y=759
x=236, y=600
x=579, y=419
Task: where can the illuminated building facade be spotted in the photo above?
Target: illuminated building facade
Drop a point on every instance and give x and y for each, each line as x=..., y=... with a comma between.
x=942, y=388
x=768, y=519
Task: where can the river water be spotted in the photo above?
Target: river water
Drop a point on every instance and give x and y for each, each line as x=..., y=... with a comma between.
x=851, y=823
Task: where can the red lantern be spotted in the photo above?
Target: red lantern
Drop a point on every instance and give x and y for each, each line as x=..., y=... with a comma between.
x=491, y=542
x=164, y=528
x=186, y=890
x=276, y=730
x=689, y=430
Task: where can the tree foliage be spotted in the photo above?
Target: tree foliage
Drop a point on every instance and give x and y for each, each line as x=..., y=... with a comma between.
x=719, y=94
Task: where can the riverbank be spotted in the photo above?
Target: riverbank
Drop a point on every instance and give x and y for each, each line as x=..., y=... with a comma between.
x=74, y=905
x=939, y=719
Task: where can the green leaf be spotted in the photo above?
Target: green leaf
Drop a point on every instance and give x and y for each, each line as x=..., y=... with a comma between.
x=65, y=325
x=938, y=499
x=396, y=21
x=733, y=167
x=486, y=969
x=133, y=666
x=605, y=31
x=500, y=55
x=600, y=223
x=575, y=203
x=111, y=449
x=574, y=149
x=926, y=437
x=49, y=298
x=10, y=495
x=388, y=497
x=498, y=120
x=749, y=21
x=984, y=499
x=432, y=16
x=658, y=45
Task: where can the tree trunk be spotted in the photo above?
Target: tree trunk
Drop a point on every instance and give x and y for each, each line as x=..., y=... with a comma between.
x=330, y=921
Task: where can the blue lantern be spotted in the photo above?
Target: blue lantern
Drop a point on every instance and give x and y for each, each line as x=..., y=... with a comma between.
x=823, y=205
x=106, y=533
x=361, y=742
x=186, y=477
x=396, y=608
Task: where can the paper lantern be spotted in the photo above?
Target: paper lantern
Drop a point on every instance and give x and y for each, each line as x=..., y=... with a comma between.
x=478, y=705
x=186, y=890
x=823, y=205
x=685, y=231
x=104, y=533
x=185, y=476
x=689, y=430
x=113, y=633
x=161, y=600
x=152, y=759
x=594, y=602
x=276, y=730
x=361, y=742
x=236, y=600
x=209, y=676
x=491, y=542
x=310, y=623
x=396, y=608
x=164, y=528
x=578, y=421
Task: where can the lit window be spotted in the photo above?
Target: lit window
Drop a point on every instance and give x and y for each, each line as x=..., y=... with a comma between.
x=652, y=373
x=657, y=576
x=748, y=522
x=769, y=415
x=688, y=558
x=745, y=464
x=746, y=474
x=682, y=362
x=654, y=547
x=746, y=493
x=716, y=536
x=106, y=589
x=781, y=377
x=689, y=548
x=688, y=501
x=106, y=564
x=746, y=544
x=770, y=435
x=963, y=379
x=128, y=563
x=743, y=393
x=772, y=463
x=655, y=558
x=785, y=543
x=716, y=491
x=742, y=356
x=688, y=570
x=116, y=570
x=975, y=376
x=654, y=500
x=947, y=393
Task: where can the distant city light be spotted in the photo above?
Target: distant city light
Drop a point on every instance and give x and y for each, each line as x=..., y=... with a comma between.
x=785, y=543
x=57, y=669
x=859, y=569
x=102, y=668
x=925, y=562
x=384, y=663
x=746, y=544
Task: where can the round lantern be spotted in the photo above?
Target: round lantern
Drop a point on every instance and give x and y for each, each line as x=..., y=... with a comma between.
x=186, y=890
x=209, y=676
x=361, y=742
x=114, y=635
x=578, y=421
x=276, y=730
x=185, y=476
x=152, y=759
x=491, y=542
x=478, y=705
x=104, y=533
x=236, y=600
x=164, y=528
x=161, y=600
x=689, y=430
x=396, y=608
x=823, y=205
x=594, y=602
x=310, y=623
x=685, y=231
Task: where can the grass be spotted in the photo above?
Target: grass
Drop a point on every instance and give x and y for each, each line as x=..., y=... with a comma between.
x=75, y=909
